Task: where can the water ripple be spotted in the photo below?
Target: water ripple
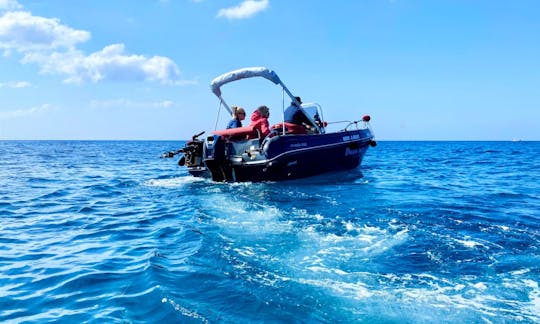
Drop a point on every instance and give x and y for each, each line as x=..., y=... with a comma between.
x=423, y=232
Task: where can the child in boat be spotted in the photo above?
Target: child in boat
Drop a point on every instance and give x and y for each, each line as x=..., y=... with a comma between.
x=238, y=114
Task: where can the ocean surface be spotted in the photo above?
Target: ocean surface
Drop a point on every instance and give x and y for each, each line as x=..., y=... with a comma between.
x=422, y=232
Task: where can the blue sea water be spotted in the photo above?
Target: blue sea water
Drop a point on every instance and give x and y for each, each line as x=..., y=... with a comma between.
x=422, y=232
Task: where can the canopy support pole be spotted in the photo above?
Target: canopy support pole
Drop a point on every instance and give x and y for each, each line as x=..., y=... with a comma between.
x=225, y=105
x=283, y=109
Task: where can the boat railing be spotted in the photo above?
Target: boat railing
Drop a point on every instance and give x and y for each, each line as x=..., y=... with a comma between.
x=356, y=124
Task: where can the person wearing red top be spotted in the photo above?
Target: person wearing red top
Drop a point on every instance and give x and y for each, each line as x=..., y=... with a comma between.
x=259, y=120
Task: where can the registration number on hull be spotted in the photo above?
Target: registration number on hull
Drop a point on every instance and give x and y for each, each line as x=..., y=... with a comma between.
x=351, y=137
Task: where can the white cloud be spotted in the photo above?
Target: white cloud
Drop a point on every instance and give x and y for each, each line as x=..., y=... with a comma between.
x=25, y=112
x=111, y=63
x=21, y=31
x=15, y=84
x=9, y=5
x=121, y=102
x=52, y=46
x=246, y=9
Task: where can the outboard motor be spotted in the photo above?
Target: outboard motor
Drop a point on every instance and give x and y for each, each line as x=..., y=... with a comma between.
x=193, y=152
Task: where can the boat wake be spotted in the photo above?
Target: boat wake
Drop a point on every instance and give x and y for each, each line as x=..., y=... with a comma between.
x=172, y=182
x=348, y=261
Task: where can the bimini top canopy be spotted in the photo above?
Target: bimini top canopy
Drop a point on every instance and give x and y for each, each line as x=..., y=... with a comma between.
x=244, y=73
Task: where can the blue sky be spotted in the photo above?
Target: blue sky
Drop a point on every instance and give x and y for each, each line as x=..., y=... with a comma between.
x=424, y=70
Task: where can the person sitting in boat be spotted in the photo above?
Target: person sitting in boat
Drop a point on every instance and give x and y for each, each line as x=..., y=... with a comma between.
x=238, y=114
x=293, y=114
x=259, y=120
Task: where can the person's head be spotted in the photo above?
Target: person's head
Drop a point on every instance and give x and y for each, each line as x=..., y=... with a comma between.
x=264, y=111
x=238, y=113
x=297, y=99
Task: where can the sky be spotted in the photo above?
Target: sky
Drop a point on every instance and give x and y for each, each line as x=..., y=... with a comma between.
x=141, y=70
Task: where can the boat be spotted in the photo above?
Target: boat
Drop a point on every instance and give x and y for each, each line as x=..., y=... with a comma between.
x=290, y=151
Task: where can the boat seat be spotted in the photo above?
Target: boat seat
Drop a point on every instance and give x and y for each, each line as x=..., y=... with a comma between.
x=290, y=128
x=239, y=133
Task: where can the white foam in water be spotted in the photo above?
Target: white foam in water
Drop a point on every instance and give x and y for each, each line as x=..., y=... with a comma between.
x=437, y=298
x=326, y=270
x=327, y=257
x=520, y=272
x=246, y=218
x=465, y=296
x=320, y=253
x=434, y=256
x=184, y=311
x=469, y=243
x=480, y=286
x=534, y=296
x=246, y=252
x=172, y=182
x=318, y=257
x=321, y=258
x=356, y=290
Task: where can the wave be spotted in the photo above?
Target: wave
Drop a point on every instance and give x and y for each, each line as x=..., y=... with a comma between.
x=422, y=232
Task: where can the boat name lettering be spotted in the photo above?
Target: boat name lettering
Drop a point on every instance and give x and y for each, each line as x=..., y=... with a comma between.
x=299, y=145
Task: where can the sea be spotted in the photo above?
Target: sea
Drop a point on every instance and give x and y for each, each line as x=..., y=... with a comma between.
x=421, y=232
